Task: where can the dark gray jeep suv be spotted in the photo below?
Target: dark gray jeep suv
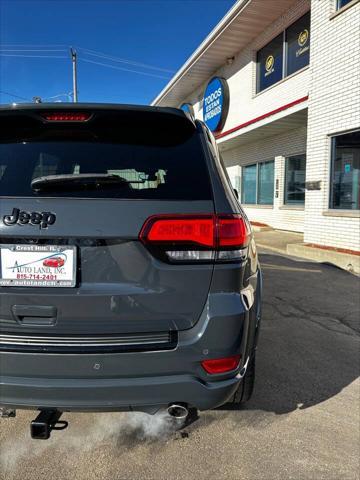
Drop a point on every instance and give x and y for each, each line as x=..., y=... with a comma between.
x=129, y=278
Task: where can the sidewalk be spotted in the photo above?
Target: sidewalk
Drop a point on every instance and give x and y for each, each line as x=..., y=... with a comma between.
x=277, y=240
x=291, y=243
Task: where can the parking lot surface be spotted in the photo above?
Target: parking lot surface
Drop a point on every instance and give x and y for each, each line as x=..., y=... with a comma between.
x=302, y=422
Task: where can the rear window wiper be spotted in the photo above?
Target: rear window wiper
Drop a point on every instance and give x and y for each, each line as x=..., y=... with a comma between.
x=78, y=180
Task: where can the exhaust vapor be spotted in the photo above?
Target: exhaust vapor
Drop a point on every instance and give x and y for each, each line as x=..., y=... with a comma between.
x=124, y=428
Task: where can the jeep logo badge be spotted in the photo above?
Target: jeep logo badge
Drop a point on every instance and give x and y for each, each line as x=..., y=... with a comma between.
x=20, y=217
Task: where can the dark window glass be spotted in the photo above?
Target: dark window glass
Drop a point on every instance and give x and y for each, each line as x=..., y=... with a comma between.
x=270, y=63
x=295, y=169
x=176, y=171
x=298, y=44
x=249, y=184
x=2, y=170
x=345, y=181
x=342, y=3
x=266, y=183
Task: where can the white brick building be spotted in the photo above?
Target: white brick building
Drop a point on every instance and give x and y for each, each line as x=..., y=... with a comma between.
x=291, y=136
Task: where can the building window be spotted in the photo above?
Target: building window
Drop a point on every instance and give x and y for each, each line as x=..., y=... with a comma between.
x=258, y=184
x=297, y=38
x=266, y=183
x=249, y=184
x=295, y=42
x=295, y=169
x=345, y=171
x=270, y=63
x=342, y=3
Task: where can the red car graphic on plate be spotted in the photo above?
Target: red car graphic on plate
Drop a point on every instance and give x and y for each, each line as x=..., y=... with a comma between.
x=54, y=262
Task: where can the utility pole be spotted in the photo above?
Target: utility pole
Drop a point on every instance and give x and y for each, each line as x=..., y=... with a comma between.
x=74, y=65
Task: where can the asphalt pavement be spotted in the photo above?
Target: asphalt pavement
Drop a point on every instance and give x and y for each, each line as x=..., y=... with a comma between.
x=302, y=423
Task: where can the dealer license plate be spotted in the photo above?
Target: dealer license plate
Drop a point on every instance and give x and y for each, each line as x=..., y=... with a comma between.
x=37, y=266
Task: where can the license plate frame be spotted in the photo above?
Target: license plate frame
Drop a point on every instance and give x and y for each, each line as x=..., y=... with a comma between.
x=30, y=271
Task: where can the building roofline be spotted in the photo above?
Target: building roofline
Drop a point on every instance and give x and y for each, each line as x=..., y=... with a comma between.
x=235, y=10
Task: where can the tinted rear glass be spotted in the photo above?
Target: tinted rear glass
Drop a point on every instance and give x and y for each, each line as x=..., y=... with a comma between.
x=158, y=166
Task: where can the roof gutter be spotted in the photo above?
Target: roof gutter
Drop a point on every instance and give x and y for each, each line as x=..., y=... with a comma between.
x=232, y=14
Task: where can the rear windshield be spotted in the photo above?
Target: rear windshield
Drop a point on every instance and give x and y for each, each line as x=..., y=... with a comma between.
x=147, y=169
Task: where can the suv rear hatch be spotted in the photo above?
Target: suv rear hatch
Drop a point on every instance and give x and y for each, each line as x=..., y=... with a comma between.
x=76, y=188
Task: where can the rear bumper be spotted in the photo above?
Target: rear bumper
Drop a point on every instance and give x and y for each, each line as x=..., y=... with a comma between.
x=141, y=381
x=139, y=394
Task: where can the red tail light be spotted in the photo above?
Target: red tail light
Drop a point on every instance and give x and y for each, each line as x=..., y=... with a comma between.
x=179, y=229
x=67, y=116
x=214, y=231
x=232, y=231
x=221, y=365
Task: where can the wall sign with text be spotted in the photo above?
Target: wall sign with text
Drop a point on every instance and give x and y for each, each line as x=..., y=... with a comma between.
x=216, y=104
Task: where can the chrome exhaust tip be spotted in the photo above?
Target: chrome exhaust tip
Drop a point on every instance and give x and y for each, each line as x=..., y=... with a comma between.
x=180, y=412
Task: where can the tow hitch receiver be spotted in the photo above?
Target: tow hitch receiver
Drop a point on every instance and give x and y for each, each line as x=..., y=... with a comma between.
x=45, y=422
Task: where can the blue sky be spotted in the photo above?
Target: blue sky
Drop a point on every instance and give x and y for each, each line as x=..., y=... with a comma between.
x=158, y=33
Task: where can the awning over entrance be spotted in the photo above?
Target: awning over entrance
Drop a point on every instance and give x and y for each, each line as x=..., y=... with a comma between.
x=289, y=119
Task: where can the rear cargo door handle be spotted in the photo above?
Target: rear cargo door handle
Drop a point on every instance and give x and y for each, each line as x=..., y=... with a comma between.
x=34, y=314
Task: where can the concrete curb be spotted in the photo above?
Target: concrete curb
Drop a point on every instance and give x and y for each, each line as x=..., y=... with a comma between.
x=346, y=261
x=350, y=263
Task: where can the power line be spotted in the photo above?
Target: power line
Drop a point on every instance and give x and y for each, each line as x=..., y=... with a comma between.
x=31, y=56
x=68, y=95
x=28, y=53
x=31, y=50
x=123, y=60
x=123, y=69
x=6, y=45
x=15, y=96
x=16, y=50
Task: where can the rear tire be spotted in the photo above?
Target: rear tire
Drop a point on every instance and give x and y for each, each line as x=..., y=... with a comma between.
x=246, y=387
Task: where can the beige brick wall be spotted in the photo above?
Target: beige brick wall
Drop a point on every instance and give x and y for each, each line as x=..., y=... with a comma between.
x=334, y=107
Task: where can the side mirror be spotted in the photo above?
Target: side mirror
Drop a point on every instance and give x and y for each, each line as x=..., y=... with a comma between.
x=236, y=193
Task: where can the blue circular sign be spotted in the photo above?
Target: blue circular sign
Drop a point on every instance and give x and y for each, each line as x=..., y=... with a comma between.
x=216, y=104
x=187, y=107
